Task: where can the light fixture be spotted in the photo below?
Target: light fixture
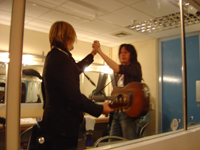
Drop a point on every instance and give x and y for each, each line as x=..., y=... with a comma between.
x=27, y=59
x=191, y=16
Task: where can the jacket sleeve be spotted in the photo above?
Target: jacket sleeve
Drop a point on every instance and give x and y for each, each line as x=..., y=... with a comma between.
x=66, y=77
x=85, y=62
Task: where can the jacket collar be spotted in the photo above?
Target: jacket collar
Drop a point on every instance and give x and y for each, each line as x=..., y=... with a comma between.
x=64, y=49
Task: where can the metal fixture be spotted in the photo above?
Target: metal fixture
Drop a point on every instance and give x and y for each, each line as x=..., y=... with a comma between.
x=191, y=16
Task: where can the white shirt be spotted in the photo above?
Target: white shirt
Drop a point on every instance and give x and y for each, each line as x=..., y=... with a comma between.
x=120, y=82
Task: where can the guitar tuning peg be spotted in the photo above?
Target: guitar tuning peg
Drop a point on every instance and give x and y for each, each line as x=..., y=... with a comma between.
x=120, y=100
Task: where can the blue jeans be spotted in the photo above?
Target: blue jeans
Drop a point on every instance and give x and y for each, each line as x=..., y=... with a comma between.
x=123, y=126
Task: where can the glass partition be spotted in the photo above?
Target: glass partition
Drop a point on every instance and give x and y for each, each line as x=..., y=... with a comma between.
x=192, y=48
x=2, y=82
x=153, y=27
x=5, y=18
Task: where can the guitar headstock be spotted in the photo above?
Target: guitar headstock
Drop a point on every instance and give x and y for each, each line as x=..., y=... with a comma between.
x=120, y=103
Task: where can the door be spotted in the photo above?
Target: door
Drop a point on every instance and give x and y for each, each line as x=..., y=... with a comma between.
x=172, y=86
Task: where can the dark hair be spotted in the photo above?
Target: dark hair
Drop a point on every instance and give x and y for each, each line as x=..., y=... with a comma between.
x=61, y=33
x=131, y=49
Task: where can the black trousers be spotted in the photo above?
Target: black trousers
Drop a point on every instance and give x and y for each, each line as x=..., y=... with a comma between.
x=51, y=142
x=61, y=143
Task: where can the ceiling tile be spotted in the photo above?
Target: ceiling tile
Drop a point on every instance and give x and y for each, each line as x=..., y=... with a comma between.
x=33, y=10
x=96, y=26
x=125, y=16
x=39, y=25
x=53, y=16
x=129, y=2
x=108, y=5
x=82, y=34
x=28, y=19
x=156, y=8
x=78, y=14
x=6, y=5
x=47, y=4
x=5, y=17
x=55, y=2
x=89, y=11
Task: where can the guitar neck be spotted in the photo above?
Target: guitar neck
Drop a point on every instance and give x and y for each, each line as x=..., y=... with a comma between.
x=101, y=97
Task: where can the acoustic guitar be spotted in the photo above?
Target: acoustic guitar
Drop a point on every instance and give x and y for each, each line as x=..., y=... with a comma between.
x=133, y=99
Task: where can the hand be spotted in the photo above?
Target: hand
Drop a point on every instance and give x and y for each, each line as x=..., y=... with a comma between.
x=95, y=45
x=106, y=108
x=94, y=52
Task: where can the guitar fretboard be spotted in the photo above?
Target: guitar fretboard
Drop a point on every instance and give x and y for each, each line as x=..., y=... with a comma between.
x=101, y=97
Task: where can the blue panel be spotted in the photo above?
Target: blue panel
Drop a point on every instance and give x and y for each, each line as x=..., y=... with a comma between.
x=172, y=90
x=193, y=74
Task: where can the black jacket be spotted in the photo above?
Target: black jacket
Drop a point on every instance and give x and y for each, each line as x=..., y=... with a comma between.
x=64, y=101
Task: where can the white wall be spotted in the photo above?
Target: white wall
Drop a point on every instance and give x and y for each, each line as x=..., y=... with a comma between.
x=38, y=42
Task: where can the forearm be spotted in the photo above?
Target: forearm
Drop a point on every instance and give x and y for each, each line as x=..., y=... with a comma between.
x=113, y=65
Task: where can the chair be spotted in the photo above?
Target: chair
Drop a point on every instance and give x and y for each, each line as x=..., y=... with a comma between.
x=25, y=137
x=142, y=123
x=119, y=139
x=34, y=138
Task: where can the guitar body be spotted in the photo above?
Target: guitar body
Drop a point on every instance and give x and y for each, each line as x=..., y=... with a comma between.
x=133, y=99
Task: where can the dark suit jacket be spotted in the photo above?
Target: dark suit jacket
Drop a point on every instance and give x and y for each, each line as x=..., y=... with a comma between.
x=64, y=101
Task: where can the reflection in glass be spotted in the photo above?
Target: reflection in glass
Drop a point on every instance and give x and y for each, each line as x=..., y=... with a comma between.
x=2, y=82
x=31, y=84
x=32, y=80
x=148, y=18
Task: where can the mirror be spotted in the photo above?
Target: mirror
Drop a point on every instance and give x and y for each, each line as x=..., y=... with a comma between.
x=2, y=82
x=153, y=27
x=31, y=80
x=31, y=92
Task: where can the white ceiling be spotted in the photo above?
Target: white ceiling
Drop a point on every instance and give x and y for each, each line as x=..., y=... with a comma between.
x=97, y=19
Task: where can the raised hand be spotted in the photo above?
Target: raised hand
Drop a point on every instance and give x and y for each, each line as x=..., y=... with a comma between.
x=95, y=46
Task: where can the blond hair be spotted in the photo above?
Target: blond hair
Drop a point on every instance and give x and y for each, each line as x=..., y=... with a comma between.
x=61, y=33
